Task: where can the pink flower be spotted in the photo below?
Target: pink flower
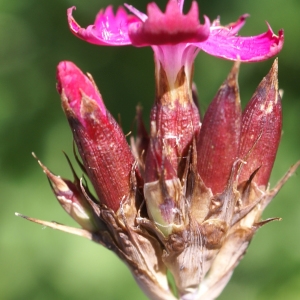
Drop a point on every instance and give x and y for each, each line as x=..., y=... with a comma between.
x=173, y=27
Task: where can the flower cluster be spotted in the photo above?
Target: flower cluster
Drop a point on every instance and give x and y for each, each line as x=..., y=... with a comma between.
x=187, y=196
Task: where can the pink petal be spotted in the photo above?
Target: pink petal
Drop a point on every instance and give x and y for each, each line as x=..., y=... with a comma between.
x=73, y=82
x=108, y=29
x=222, y=43
x=171, y=27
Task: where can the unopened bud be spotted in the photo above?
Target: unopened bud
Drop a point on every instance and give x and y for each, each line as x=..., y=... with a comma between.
x=218, y=144
x=100, y=140
x=261, y=129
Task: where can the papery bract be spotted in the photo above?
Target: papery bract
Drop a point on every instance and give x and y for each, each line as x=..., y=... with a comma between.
x=72, y=197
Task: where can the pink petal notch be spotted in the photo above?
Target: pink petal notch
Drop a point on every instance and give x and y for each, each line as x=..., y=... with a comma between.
x=169, y=28
x=108, y=29
x=224, y=43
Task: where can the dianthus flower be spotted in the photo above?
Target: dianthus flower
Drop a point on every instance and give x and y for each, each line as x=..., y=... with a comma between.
x=188, y=196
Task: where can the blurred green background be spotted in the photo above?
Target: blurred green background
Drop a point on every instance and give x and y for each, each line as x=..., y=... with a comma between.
x=39, y=263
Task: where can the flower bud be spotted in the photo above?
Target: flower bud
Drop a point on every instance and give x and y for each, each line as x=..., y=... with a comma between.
x=100, y=140
x=261, y=129
x=218, y=143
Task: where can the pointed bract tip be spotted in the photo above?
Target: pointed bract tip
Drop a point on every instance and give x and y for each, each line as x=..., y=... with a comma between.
x=232, y=78
x=273, y=74
x=275, y=65
x=19, y=215
x=45, y=170
x=70, y=196
x=54, y=225
x=56, y=182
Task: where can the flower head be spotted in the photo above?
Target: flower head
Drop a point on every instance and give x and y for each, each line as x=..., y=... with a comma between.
x=187, y=196
x=176, y=39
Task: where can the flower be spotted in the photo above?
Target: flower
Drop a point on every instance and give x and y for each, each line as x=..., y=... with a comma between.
x=172, y=28
x=188, y=196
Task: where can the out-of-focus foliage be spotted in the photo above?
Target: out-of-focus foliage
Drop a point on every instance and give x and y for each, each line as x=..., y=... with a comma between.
x=39, y=263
